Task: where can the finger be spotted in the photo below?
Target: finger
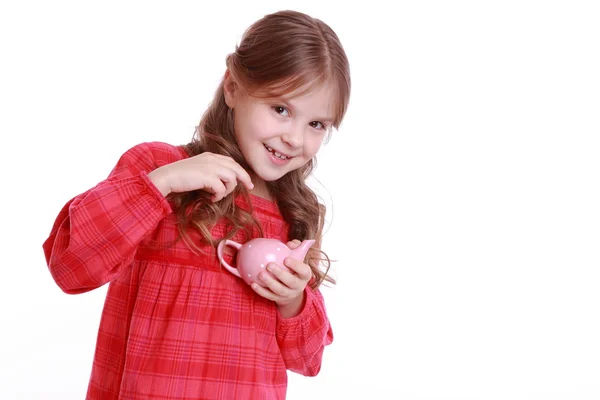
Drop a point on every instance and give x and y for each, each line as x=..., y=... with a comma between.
x=284, y=276
x=273, y=284
x=240, y=172
x=292, y=244
x=228, y=177
x=263, y=292
x=230, y=185
x=216, y=187
x=299, y=268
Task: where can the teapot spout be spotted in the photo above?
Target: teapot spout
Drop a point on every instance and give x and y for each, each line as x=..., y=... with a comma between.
x=299, y=253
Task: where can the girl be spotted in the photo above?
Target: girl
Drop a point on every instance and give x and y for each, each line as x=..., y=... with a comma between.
x=175, y=325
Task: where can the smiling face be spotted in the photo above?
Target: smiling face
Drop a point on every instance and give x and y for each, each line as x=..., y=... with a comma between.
x=279, y=135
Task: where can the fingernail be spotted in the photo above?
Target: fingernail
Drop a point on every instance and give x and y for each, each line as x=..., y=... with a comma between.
x=270, y=267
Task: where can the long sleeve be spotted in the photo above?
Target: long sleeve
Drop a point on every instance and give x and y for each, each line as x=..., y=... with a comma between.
x=97, y=233
x=302, y=339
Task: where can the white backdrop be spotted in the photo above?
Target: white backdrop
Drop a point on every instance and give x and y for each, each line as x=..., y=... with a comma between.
x=464, y=185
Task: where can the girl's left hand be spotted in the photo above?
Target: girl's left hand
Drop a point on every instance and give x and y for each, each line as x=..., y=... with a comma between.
x=282, y=286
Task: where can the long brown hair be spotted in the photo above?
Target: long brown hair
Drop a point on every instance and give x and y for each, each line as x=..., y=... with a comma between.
x=282, y=53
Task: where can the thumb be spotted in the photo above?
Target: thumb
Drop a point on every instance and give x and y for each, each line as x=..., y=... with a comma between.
x=292, y=244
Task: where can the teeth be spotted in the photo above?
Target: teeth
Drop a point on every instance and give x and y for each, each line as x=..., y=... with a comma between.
x=276, y=153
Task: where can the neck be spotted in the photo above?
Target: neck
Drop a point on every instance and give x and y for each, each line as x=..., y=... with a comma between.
x=260, y=188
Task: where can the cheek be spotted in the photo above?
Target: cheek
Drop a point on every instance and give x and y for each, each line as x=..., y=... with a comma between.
x=237, y=126
x=312, y=146
x=246, y=133
x=265, y=126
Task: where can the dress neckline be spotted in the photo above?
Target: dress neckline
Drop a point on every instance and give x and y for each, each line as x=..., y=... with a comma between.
x=262, y=205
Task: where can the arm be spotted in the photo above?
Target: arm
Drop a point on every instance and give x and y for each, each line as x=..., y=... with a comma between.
x=302, y=338
x=96, y=234
x=303, y=329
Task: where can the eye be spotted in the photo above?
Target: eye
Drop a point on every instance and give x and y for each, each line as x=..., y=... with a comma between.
x=281, y=110
x=317, y=125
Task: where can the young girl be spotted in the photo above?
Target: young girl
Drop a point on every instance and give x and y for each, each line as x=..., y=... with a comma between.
x=175, y=325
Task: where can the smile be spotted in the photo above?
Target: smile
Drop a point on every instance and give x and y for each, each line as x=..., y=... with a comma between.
x=277, y=154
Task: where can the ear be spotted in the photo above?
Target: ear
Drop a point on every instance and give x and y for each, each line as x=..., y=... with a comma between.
x=230, y=90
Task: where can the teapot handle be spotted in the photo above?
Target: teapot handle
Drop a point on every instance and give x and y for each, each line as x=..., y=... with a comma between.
x=222, y=260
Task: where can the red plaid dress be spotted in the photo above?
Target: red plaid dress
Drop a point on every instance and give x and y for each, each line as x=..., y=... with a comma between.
x=175, y=325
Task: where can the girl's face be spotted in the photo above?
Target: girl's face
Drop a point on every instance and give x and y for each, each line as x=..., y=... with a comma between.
x=282, y=134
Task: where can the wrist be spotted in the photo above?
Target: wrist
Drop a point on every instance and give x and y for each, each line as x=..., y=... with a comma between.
x=292, y=308
x=159, y=178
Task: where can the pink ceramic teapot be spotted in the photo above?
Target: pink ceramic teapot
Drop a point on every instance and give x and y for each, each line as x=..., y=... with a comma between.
x=254, y=255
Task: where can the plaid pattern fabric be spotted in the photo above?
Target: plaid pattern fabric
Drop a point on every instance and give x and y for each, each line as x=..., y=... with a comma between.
x=175, y=325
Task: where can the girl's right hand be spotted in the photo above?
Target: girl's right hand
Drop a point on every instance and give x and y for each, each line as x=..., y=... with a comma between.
x=210, y=172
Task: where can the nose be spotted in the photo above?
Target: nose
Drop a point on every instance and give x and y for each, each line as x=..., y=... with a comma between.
x=293, y=137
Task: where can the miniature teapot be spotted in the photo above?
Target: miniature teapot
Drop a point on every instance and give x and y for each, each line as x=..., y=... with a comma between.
x=254, y=255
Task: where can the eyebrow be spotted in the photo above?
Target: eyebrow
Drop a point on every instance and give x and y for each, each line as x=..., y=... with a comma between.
x=290, y=106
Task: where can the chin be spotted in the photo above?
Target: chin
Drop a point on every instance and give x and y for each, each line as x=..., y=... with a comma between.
x=269, y=176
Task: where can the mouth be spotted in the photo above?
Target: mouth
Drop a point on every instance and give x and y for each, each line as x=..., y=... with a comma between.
x=277, y=154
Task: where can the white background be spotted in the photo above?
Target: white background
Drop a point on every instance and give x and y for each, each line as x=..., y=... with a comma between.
x=464, y=185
